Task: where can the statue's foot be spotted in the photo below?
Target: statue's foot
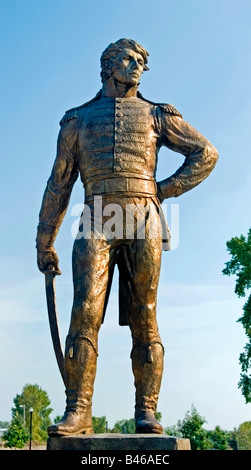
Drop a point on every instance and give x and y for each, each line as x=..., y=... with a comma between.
x=71, y=424
x=146, y=424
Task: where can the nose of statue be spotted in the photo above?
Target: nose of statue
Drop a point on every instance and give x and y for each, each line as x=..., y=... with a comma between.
x=135, y=65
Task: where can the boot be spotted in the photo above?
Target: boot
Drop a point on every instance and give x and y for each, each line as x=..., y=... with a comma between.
x=80, y=371
x=147, y=365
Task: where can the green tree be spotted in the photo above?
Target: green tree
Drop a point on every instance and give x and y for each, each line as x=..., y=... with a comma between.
x=125, y=426
x=173, y=431
x=158, y=416
x=219, y=438
x=240, y=264
x=34, y=397
x=243, y=436
x=57, y=419
x=99, y=425
x=191, y=428
x=15, y=436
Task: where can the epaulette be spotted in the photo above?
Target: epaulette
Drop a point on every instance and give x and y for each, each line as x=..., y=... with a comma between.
x=72, y=113
x=170, y=109
x=167, y=108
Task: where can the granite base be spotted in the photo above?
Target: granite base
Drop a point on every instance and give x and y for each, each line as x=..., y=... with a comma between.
x=121, y=442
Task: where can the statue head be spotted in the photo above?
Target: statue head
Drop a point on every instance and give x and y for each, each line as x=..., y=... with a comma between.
x=111, y=56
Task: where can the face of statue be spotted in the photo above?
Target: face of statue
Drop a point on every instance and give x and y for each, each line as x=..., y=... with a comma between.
x=128, y=67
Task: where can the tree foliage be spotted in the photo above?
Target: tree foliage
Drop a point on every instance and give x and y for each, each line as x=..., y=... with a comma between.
x=34, y=397
x=240, y=265
x=191, y=428
x=173, y=431
x=158, y=416
x=219, y=438
x=99, y=425
x=57, y=419
x=16, y=435
x=125, y=426
x=243, y=436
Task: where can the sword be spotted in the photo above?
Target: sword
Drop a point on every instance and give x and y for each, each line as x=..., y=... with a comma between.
x=50, y=288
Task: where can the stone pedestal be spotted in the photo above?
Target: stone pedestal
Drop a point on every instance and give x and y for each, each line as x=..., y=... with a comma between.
x=118, y=442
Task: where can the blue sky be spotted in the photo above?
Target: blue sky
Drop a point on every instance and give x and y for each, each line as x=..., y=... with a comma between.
x=199, y=62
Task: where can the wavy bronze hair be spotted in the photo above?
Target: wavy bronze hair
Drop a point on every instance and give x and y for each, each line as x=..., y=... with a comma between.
x=111, y=52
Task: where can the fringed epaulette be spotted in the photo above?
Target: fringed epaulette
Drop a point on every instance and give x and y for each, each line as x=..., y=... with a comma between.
x=73, y=112
x=167, y=108
x=170, y=109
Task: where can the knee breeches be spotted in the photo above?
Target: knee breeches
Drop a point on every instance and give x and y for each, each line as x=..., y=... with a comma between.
x=138, y=262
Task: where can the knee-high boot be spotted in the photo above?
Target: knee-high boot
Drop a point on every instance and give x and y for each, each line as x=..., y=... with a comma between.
x=147, y=365
x=80, y=372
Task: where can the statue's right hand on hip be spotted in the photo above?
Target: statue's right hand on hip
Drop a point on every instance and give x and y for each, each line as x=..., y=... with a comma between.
x=48, y=261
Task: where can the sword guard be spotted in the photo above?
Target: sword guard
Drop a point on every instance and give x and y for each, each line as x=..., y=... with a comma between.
x=52, y=270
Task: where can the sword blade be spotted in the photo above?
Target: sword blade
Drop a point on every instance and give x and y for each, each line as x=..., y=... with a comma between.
x=53, y=321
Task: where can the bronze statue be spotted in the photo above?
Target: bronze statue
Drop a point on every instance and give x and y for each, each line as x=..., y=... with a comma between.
x=113, y=142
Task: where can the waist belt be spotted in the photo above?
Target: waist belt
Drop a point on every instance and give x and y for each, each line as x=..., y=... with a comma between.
x=121, y=184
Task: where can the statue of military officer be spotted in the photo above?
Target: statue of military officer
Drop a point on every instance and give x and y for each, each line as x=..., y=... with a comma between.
x=113, y=143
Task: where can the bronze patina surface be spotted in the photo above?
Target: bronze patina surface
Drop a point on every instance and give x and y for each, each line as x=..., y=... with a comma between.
x=112, y=142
